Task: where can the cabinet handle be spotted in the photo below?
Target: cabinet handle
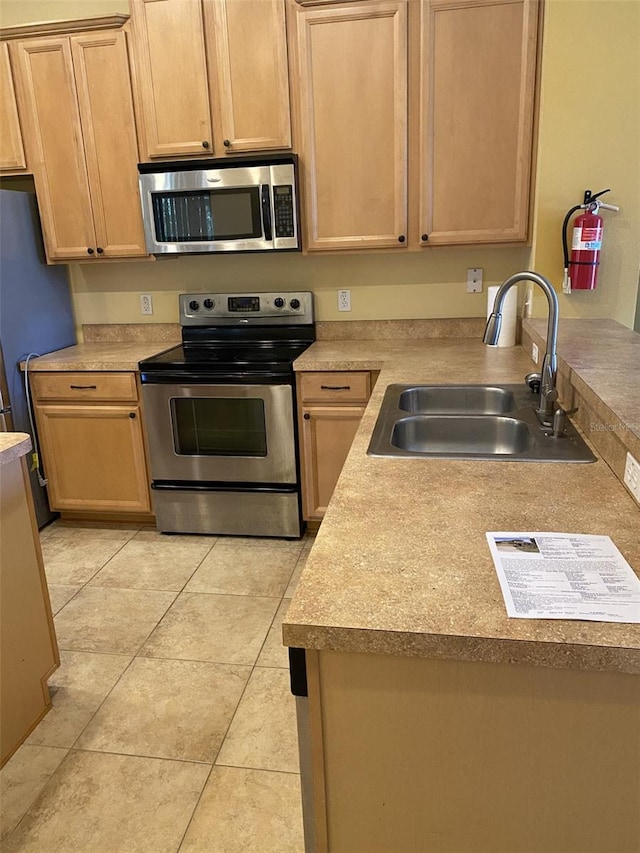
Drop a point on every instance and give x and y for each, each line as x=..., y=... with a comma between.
x=99, y=250
x=205, y=144
x=401, y=238
x=83, y=387
x=424, y=238
x=306, y=416
x=132, y=414
x=89, y=251
x=335, y=387
x=227, y=143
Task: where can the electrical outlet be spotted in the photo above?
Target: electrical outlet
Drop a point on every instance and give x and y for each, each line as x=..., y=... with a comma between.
x=146, y=303
x=344, y=300
x=534, y=352
x=474, y=280
x=632, y=476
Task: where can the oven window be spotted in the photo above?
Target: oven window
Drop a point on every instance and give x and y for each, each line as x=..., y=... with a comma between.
x=189, y=216
x=219, y=426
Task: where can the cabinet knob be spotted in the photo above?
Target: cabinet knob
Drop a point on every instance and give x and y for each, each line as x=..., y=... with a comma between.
x=401, y=238
x=132, y=414
x=89, y=251
x=424, y=238
x=205, y=144
x=227, y=143
x=306, y=416
x=99, y=250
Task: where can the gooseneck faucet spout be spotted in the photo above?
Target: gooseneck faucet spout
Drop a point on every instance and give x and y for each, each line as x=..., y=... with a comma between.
x=548, y=392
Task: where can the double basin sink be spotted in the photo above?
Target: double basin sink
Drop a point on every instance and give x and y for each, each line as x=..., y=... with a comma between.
x=495, y=422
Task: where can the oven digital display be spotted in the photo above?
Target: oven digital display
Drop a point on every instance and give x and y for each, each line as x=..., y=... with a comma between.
x=244, y=303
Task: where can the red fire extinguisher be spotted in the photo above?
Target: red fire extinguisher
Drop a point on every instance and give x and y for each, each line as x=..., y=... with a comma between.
x=581, y=269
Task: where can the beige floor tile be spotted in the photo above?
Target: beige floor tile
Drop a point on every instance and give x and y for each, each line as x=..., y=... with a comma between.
x=273, y=652
x=216, y=628
x=112, y=804
x=289, y=545
x=46, y=532
x=147, y=534
x=151, y=564
x=79, y=530
x=21, y=780
x=78, y=688
x=168, y=709
x=74, y=561
x=295, y=577
x=110, y=620
x=247, y=811
x=263, y=733
x=244, y=570
x=60, y=594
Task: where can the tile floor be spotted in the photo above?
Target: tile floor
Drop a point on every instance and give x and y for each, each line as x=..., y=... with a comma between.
x=172, y=727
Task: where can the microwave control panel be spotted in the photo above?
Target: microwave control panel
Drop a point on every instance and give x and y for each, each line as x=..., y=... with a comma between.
x=283, y=209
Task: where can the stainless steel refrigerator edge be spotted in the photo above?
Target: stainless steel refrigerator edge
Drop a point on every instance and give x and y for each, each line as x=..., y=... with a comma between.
x=36, y=313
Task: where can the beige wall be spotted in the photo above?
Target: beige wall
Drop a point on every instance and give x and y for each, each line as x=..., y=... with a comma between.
x=589, y=137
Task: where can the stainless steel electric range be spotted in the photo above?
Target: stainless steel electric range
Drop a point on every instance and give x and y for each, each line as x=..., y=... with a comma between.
x=221, y=416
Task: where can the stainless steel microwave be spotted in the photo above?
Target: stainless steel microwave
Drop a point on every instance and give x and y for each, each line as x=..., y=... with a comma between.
x=239, y=205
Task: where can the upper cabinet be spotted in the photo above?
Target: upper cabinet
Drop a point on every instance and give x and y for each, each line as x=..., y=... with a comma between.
x=212, y=76
x=477, y=63
x=12, y=158
x=75, y=95
x=353, y=110
x=464, y=71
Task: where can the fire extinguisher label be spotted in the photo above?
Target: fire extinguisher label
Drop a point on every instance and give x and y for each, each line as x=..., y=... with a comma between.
x=587, y=239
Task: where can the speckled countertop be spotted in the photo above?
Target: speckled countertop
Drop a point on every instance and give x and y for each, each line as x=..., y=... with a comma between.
x=400, y=564
x=100, y=356
x=13, y=445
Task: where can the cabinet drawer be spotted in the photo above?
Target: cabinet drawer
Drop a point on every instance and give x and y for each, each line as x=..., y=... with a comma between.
x=335, y=387
x=84, y=386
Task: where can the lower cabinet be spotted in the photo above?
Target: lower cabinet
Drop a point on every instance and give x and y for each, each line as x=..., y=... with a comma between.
x=91, y=440
x=331, y=407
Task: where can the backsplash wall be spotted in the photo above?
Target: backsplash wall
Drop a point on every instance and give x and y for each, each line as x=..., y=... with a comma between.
x=383, y=286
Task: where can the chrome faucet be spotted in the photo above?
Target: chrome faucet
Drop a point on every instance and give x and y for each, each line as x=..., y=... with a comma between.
x=548, y=391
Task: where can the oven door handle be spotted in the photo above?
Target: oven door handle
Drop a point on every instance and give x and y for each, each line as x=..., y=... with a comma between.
x=265, y=198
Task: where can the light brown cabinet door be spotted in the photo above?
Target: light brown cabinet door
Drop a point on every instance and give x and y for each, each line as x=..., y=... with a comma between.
x=108, y=126
x=327, y=436
x=172, y=76
x=12, y=157
x=353, y=93
x=250, y=78
x=53, y=136
x=477, y=97
x=94, y=457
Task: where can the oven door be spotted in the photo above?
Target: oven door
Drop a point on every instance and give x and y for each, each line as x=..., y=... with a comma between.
x=221, y=433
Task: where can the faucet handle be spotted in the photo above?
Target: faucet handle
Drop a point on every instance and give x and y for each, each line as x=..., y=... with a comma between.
x=559, y=420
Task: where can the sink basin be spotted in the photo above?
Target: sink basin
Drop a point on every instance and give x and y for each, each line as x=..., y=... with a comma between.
x=457, y=399
x=490, y=422
x=476, y=434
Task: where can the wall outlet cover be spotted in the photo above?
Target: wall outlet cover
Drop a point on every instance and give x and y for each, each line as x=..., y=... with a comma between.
x=535, y=354
x=344, y=300
x=632, y=476
x=146, y=303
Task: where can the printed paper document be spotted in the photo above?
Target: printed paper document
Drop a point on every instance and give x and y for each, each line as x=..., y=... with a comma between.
x=564, y=576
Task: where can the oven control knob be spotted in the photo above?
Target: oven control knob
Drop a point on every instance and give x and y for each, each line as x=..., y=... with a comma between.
x=295, y=304
x=208, y=304
x=194, y=305
x=278, y=301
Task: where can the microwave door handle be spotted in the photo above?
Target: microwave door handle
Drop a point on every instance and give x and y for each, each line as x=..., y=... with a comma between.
x=265, y=198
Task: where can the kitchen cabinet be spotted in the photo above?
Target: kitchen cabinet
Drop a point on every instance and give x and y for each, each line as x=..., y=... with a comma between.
x=76, y=102
x=12, y=157
x=477, y=87
x=29, y=650
x=331, y=407
x=92, y=444
x=232, y=55
x=353, y=116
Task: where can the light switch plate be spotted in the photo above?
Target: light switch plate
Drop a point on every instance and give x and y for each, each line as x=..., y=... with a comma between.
x=534, y=352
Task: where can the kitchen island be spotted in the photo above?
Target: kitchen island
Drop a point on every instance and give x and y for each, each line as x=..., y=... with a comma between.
x=436, y=723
